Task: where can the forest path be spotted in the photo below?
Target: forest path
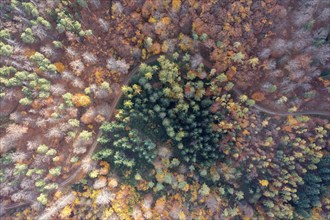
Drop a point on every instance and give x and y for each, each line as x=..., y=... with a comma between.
x=112, y=110
x=81, y=171
x=206, y=63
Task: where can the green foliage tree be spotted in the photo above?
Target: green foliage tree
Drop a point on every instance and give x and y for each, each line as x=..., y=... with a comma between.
x=57, y=44
x=32, y=85
x=175, y=111
x=65, y=22
x=127, y=145
x=42, y=149
x=25, y=101
x=5, y=49
x=178, y=103
x=316, y=183
x=4, y=34
x=30, y=8
x=28, y=37
x=43, y=63
x=56, y=171
x=44, y=22
x=42, y=198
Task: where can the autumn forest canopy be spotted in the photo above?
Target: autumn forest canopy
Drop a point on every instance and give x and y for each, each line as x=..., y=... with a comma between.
x=172, y=109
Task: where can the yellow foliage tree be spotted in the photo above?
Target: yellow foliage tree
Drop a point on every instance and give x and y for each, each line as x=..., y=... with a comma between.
x=176, y=5
x=81, y=100
x=66, y=212
x=264, y=182
x=59, y=67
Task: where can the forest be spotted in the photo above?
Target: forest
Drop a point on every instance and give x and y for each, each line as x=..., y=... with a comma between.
x=164, y=109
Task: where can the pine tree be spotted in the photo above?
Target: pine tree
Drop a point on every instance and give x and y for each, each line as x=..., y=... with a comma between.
x=314, y=188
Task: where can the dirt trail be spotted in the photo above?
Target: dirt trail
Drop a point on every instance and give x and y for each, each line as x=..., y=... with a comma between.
x=112, y=110
x=80, y=170
x=127, y=80
x=273, y=112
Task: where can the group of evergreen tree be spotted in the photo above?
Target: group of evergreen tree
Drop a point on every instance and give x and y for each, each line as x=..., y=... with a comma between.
x=164, y=101
x=316, y=183
x=124, y=146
